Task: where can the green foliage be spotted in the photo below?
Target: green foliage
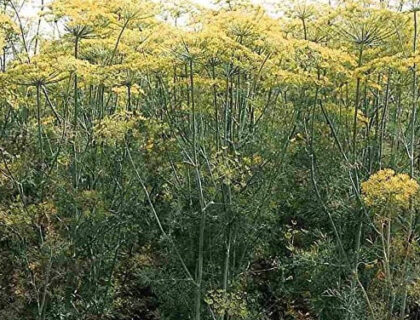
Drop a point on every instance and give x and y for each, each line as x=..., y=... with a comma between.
x=171, y=161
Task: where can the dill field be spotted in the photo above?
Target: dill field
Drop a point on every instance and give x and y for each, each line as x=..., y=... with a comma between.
x=227, y=160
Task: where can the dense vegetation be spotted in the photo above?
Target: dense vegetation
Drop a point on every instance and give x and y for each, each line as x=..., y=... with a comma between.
x=167, y=161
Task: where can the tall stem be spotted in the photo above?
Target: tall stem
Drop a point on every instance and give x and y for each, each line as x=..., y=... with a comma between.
x=38, y=29
x=38, y=115
x=201, y=200
x=411, y=155
x=356, y=108
x=383, y=121
x=76, y=111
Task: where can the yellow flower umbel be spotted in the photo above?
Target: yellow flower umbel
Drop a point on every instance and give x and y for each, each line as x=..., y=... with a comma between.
x=113, y=129
x=386, y=188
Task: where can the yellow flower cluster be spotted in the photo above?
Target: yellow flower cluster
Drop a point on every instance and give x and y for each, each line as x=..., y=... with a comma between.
x=113, y=129
x=85, y=18
x=386, y=188
x=230, y=303
x=40, y=213
x=43, y=69
x=80, y=13
x=7, y=29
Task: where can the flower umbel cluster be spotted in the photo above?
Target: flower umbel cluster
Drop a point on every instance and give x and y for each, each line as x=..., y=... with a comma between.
x=388, y=188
